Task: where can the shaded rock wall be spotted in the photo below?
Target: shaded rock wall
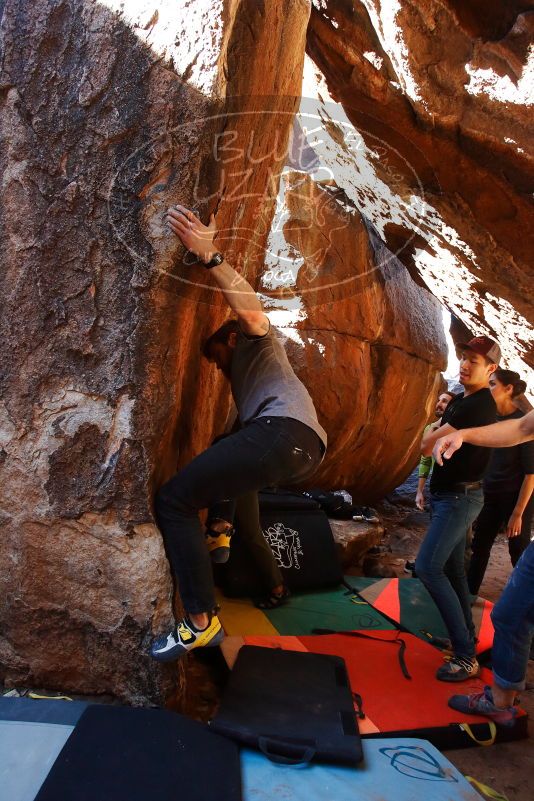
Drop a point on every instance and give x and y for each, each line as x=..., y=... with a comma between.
x=439, y=92
x=105, y=120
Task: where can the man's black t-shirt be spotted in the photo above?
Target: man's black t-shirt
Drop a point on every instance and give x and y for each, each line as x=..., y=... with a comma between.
x=469, y=463
x=509, y=466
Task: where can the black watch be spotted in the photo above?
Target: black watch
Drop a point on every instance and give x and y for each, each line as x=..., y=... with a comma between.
x=217, y=259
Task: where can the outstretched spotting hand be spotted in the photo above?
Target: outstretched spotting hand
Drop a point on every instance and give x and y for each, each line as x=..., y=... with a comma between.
x=446, y=446
x=196, y=237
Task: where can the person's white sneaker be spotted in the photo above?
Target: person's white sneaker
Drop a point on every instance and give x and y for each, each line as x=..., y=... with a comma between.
x=459, y=668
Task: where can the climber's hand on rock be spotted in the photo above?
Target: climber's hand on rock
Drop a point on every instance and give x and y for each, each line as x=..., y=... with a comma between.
x=196, y=237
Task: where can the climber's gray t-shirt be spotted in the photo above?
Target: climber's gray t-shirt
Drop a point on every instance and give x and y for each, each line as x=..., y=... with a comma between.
x=265, y=385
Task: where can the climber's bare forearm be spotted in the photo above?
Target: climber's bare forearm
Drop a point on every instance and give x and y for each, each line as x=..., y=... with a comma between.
x=497, y=435
x=241, y=298
x=199, y=239
x=431, y=435
x=503, y=434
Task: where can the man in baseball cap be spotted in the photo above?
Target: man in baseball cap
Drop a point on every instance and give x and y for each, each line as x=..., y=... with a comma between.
x=484, y=346
x=456, y=499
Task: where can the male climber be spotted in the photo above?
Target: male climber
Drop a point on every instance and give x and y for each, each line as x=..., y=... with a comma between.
x=456, y=500
x=280, y=440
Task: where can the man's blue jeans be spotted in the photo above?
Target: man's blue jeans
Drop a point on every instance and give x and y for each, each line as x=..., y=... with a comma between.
x=440, y=563
x=513, y=619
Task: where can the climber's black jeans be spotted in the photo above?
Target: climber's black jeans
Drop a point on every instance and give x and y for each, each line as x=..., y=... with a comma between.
x=496, y=512
x=267, y=452
x=245, y=513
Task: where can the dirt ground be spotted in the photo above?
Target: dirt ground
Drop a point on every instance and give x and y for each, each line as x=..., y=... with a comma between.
x=508, y=767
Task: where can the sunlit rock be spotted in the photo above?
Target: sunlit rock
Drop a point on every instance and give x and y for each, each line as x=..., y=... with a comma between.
x=445, y=89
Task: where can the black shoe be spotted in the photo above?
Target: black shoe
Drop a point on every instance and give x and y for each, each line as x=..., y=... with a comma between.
x=365, y=513
x=409, y=567
x=370, y=515
x=273, y=600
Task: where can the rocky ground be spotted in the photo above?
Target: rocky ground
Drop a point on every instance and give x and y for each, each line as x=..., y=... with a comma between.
x=507, y=767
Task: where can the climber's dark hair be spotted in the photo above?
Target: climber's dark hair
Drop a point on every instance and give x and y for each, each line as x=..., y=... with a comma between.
x=511, y=378
x=221, y=335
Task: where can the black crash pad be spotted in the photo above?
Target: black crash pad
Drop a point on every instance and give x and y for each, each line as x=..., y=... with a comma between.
x=127, y=754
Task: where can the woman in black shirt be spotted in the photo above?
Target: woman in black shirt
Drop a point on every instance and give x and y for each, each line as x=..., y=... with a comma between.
x=508, y=487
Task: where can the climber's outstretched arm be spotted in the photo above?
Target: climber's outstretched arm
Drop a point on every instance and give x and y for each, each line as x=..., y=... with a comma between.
x=198, y=238
x=496, y=435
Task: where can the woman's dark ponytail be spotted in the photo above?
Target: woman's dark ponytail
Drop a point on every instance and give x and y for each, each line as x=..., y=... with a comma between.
x=509, y=377
x=519, y=388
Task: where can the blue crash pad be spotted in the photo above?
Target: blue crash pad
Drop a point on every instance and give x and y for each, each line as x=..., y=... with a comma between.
x=58, y=750
x=27, y=752
x=397, y=769
x=32, y=733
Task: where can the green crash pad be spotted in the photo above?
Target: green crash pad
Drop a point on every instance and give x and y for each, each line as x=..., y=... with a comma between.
x=408, y=603
x=338, y=609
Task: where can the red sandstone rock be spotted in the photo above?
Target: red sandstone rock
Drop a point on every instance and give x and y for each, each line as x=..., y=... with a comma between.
x=445, y=88
x=364, y=338
x=354, y=538
x=106, y=119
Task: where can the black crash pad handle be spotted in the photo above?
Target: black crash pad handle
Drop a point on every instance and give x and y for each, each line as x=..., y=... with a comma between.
x=303, y=754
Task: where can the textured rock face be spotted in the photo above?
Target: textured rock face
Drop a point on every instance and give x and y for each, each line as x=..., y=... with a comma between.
x=439, y=92
x=363, y=337
x=353, y=539
x=105, y=120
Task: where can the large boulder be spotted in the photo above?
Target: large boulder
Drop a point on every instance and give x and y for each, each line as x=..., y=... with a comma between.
x=107, y=117
x=110, y=113
x=440, y=93
x=365, y=339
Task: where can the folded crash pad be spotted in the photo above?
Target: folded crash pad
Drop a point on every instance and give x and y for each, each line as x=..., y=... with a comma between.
x=301, y=541
x=292, y=706
x=400, y=769
x=392, y=675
